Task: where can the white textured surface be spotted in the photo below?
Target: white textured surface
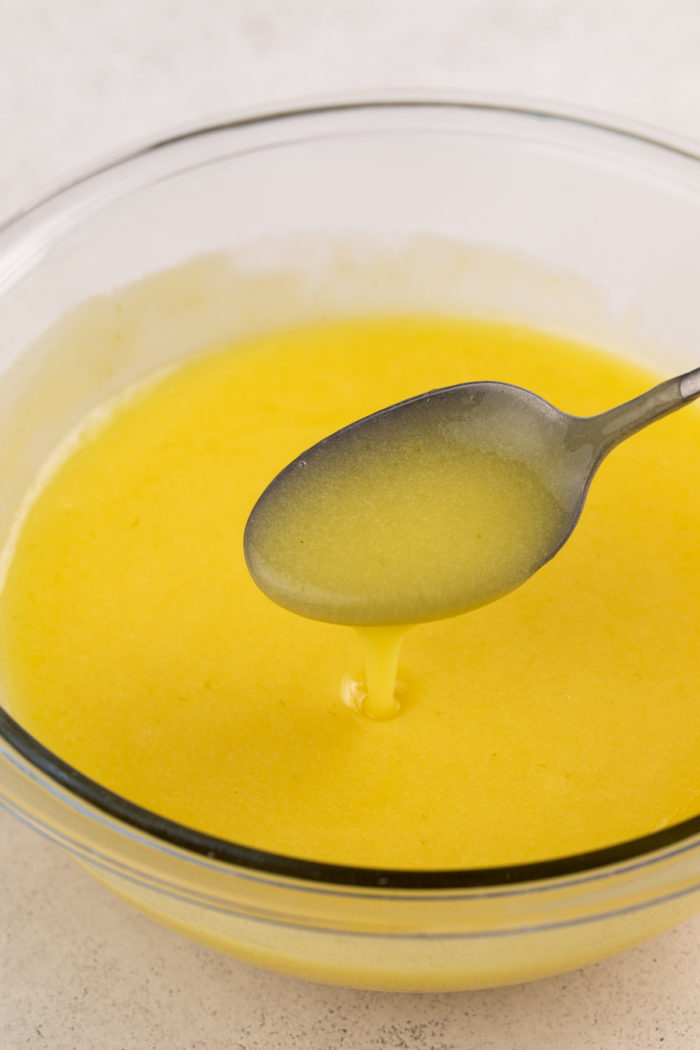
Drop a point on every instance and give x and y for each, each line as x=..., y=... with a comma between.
x=79, y=79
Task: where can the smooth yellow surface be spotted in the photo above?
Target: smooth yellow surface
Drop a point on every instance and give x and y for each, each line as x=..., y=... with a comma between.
x=561, y=718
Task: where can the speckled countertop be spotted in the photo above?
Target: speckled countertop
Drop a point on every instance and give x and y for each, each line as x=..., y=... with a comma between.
x=79, y=970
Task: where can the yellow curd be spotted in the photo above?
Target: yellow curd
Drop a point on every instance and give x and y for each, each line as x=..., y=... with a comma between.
x=561, y=718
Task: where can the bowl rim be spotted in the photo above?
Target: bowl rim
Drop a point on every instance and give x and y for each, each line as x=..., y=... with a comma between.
x=188, y=839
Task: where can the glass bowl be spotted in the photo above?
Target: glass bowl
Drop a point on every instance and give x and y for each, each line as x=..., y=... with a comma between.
x=438, y=205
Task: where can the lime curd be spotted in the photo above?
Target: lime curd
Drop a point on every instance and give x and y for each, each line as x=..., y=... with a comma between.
x=134, y=644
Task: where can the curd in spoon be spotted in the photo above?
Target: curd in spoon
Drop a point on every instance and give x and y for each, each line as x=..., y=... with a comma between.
x=429, y=508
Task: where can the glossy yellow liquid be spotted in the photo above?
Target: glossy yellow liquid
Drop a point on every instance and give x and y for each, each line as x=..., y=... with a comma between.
x=561, y=718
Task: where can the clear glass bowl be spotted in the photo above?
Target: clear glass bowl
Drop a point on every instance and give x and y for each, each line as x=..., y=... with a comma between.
x=434, y=204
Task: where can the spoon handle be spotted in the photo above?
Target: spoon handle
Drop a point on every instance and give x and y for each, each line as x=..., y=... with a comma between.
x=618, y=423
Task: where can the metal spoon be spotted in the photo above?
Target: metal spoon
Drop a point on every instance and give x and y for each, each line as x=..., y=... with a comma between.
x=437, y=504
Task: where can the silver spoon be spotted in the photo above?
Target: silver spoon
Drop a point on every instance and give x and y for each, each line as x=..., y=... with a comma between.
x=435, y=505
